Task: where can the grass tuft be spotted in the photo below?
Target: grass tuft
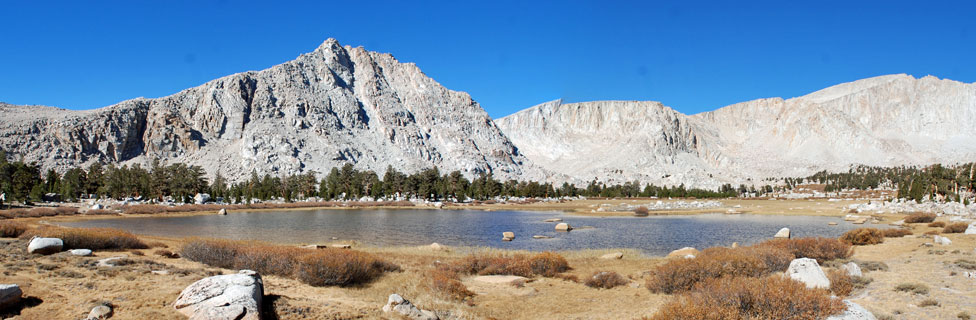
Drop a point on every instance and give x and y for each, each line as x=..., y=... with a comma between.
x=915, y=288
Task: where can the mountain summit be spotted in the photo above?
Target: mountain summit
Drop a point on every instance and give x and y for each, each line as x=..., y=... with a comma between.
x=329, y=107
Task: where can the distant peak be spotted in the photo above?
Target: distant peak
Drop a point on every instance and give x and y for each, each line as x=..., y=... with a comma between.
x=329, y=44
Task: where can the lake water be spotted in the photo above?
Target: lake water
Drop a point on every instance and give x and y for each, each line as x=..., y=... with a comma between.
x=655, y=235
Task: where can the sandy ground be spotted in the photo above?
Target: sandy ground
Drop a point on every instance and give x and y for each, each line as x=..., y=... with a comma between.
x=66, y=287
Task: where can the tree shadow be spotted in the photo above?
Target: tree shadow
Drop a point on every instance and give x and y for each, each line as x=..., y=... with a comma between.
x=15, y=309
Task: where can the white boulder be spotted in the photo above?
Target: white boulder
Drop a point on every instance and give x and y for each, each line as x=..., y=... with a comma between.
x=941, y=240
x=402, y=306
x=80, y=252
x=563, y=227
x=231, y=296
x=808, y=271
x=100, y=313
x=222, y=212
x=783, y=233
x=201, y=198
x=45, y=245
x=852, y=269
x=971, y=229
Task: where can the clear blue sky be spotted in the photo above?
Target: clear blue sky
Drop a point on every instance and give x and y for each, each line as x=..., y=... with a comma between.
x=692, y=55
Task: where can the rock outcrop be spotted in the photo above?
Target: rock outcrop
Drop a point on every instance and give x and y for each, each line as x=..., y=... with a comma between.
x=332, y=106
x=231, y=296
x=404, y=308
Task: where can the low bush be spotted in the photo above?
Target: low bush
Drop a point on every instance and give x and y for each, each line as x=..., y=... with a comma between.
x=11, y=229
x=89, y=238
x=100, y=212
x=678, y=275
x=447, y=282
x=966, y=264
x=872, y=265
x=41, y=212
x=933, y=232
x=821, y=249
x=642, y=211
x=863, y=236
x=772, y=297
x=166, y=254
x=546, y=264
x=318, y=267
x=920, y=217
x=896, y=232
x=958, y=227
x=915, y=288
x=66, y=211
x=928, y=303
x=937, y=224
x=841, y=284
x=605, y=280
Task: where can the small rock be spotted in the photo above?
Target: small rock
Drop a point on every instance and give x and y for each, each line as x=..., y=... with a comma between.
x=684, y=252
x=45, y=245
x=613, y=256
x=508, y=236
x=9, y=295
x=96, y=207
x=80, y=252
x=941, y=240
x=437, y=247
x=831, y=223
x=160, y=272
x=553, y=220
x=783, y=233
x=735, y=245
x=808, y=271
x=398, y=304
x=853, y=312
x=860, y=221
x=852, y=269
x=109, y=262
x=222, y=212
x=971, y=229
x=563, y=227
x=341, y=246
x=230, y=296
x=100, y=313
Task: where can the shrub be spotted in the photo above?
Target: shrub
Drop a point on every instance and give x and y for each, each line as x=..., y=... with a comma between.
x=963, y=315
x=100, y=212
x=928, y=303
x=680, y=275
x=11, y=229
x=318, y=267
x=642, y=211
x=863, y=236
x=937, y=224
x=66, y=211
x=873, y=265
x=605, y=280
x=772, y=297
x=822, y=249
x=841, y=284
x=167, y=254
x=546, y=264
x=966, y=264
x=933, y=232
x=915, y=288
x=896, y=232
x=920, y=217
x=447, y=282
x=90, y=238
x=958, y=227
x=41, y=212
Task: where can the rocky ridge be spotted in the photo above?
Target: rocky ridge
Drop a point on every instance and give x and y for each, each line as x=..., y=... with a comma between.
x=332, y=106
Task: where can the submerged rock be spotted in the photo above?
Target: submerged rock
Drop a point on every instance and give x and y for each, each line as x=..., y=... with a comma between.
x=402, y=306
x=563, y=227
x=231, y=296
x=45, y=245
x=808, y=271
x=508, y=236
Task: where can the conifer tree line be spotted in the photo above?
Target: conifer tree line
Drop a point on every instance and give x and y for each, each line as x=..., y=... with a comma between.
x=26, y=183
x=913, y=183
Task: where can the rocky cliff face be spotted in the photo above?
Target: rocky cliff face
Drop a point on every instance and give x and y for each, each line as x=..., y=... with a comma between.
x=882, y=121
x=326, y=108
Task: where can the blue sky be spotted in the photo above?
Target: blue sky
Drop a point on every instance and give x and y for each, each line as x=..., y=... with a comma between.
x=694, y=56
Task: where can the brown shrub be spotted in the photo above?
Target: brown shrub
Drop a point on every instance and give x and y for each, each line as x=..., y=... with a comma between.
x=90, y=238
x=14, y=213
x=822, y=249
x=958, y=227
x=41, y=212
x=896, y=232
x=605, y=280
x=680, y=275
x=167, y=254
x=318, y=267
x=915, y=288
x=447, y=282
x=642, y=211
x=841, y=284
x=863, y=236
x=929, y=303
x=100, y=212
x=66, y=211
x=772, y=297
x=11, y=229
x=546, y=264
x=932, y=232
x=937, y=224
x=920, y=217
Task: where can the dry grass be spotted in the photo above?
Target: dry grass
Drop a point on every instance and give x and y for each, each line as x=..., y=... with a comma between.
x=605, y=280
x=317, y=267
x=957, y=227
x=821, y=249
x=772, y=297
x=937, y=224
x=66, y=211
x=929, y=303
x=863, y=236
x=914, y=288
x=920, y=217
x=89, y=238
x=446, y=281
x=679, y=275
x=896, y=233
x=546, y=264
x=100, y=212
x=11, y=229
